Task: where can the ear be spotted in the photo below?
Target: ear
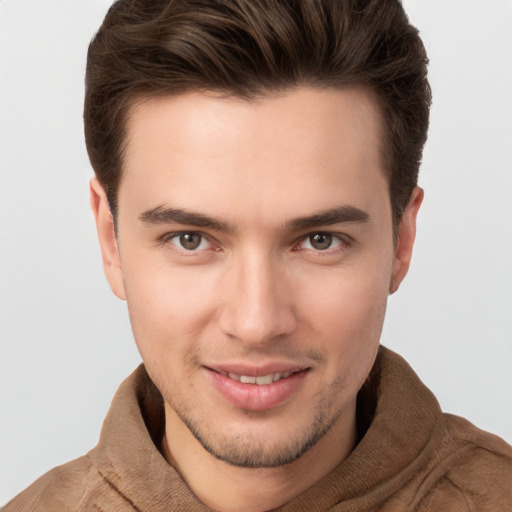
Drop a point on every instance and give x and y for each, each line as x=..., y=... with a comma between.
x=107, y=238
x=406, y=236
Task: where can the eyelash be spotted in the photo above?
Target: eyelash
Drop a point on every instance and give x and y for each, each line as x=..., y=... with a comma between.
x=167, y=239
x=344, y=241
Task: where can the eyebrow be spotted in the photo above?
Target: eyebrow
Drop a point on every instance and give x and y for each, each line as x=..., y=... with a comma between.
x=164, y=215
x=340, y=214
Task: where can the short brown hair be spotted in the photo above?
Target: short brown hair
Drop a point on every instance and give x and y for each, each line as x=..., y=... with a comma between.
x=254, y=47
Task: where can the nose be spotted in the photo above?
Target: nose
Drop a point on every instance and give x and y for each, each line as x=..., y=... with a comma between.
x=258, y=306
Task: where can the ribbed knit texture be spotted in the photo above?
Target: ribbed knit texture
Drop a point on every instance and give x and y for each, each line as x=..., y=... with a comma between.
x=411, y=457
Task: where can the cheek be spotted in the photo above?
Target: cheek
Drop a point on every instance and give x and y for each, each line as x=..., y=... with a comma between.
x=355, y=337
x=167, y=309
x=349, y=296
x=347, y=313
x=354, y=318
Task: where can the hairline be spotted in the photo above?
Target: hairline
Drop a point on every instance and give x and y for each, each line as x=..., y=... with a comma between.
x=132, y=101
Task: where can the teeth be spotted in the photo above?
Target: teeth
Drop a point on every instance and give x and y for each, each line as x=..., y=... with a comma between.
x=265, y=379
x=261, y=380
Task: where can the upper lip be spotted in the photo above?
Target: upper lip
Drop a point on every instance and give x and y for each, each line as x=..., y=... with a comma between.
x=256, y=370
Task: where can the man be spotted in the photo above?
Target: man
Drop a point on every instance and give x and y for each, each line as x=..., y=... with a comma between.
x=256, y=203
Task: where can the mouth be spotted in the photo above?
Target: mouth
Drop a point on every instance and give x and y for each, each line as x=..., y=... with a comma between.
x=260, y=380
x=257, y=390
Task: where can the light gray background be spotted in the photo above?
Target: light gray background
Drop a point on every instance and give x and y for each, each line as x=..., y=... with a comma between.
x=66, y=343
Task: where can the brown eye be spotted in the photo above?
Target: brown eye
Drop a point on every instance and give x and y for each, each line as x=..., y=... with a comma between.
x=189, y=241
x=320, y=241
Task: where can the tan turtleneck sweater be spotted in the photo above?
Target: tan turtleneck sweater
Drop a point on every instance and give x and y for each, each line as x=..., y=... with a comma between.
x=410, y=457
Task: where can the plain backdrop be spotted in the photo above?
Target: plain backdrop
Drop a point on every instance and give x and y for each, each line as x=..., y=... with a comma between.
x=66, y=342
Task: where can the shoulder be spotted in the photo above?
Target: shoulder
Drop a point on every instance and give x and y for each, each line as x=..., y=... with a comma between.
x=62, y=488
x=474, y=470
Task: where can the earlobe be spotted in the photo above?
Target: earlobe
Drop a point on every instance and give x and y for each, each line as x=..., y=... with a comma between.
x=107, y=238
x=406, y=236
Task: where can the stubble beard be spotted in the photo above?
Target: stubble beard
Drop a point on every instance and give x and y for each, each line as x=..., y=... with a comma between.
x=251, y=451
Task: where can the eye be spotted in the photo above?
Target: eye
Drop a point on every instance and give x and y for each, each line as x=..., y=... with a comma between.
x=321, y=242
x=189, y=241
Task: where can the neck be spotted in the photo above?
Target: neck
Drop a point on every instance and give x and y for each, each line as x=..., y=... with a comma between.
x=228, y=488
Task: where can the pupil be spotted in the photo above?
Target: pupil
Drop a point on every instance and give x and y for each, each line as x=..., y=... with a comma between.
x=321, y=241
x=190, y=241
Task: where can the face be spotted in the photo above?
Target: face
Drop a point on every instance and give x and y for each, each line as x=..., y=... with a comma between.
x=255, y=251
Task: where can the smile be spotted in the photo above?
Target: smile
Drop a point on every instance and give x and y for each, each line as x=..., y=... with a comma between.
x=257, y=392
x=262, y=380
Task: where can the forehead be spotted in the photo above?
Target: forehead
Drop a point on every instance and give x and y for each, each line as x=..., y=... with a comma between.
x=199, y=149
x=209, y=116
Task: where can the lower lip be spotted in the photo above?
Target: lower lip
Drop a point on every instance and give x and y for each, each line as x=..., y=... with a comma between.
x=254, y=397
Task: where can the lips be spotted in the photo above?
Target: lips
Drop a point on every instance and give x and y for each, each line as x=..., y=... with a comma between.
x=256, y=390
x=260, y=380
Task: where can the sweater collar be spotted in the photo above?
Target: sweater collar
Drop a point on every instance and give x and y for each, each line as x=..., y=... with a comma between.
x=397, y=416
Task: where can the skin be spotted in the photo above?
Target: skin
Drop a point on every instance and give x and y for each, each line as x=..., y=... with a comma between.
x=259, y=289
